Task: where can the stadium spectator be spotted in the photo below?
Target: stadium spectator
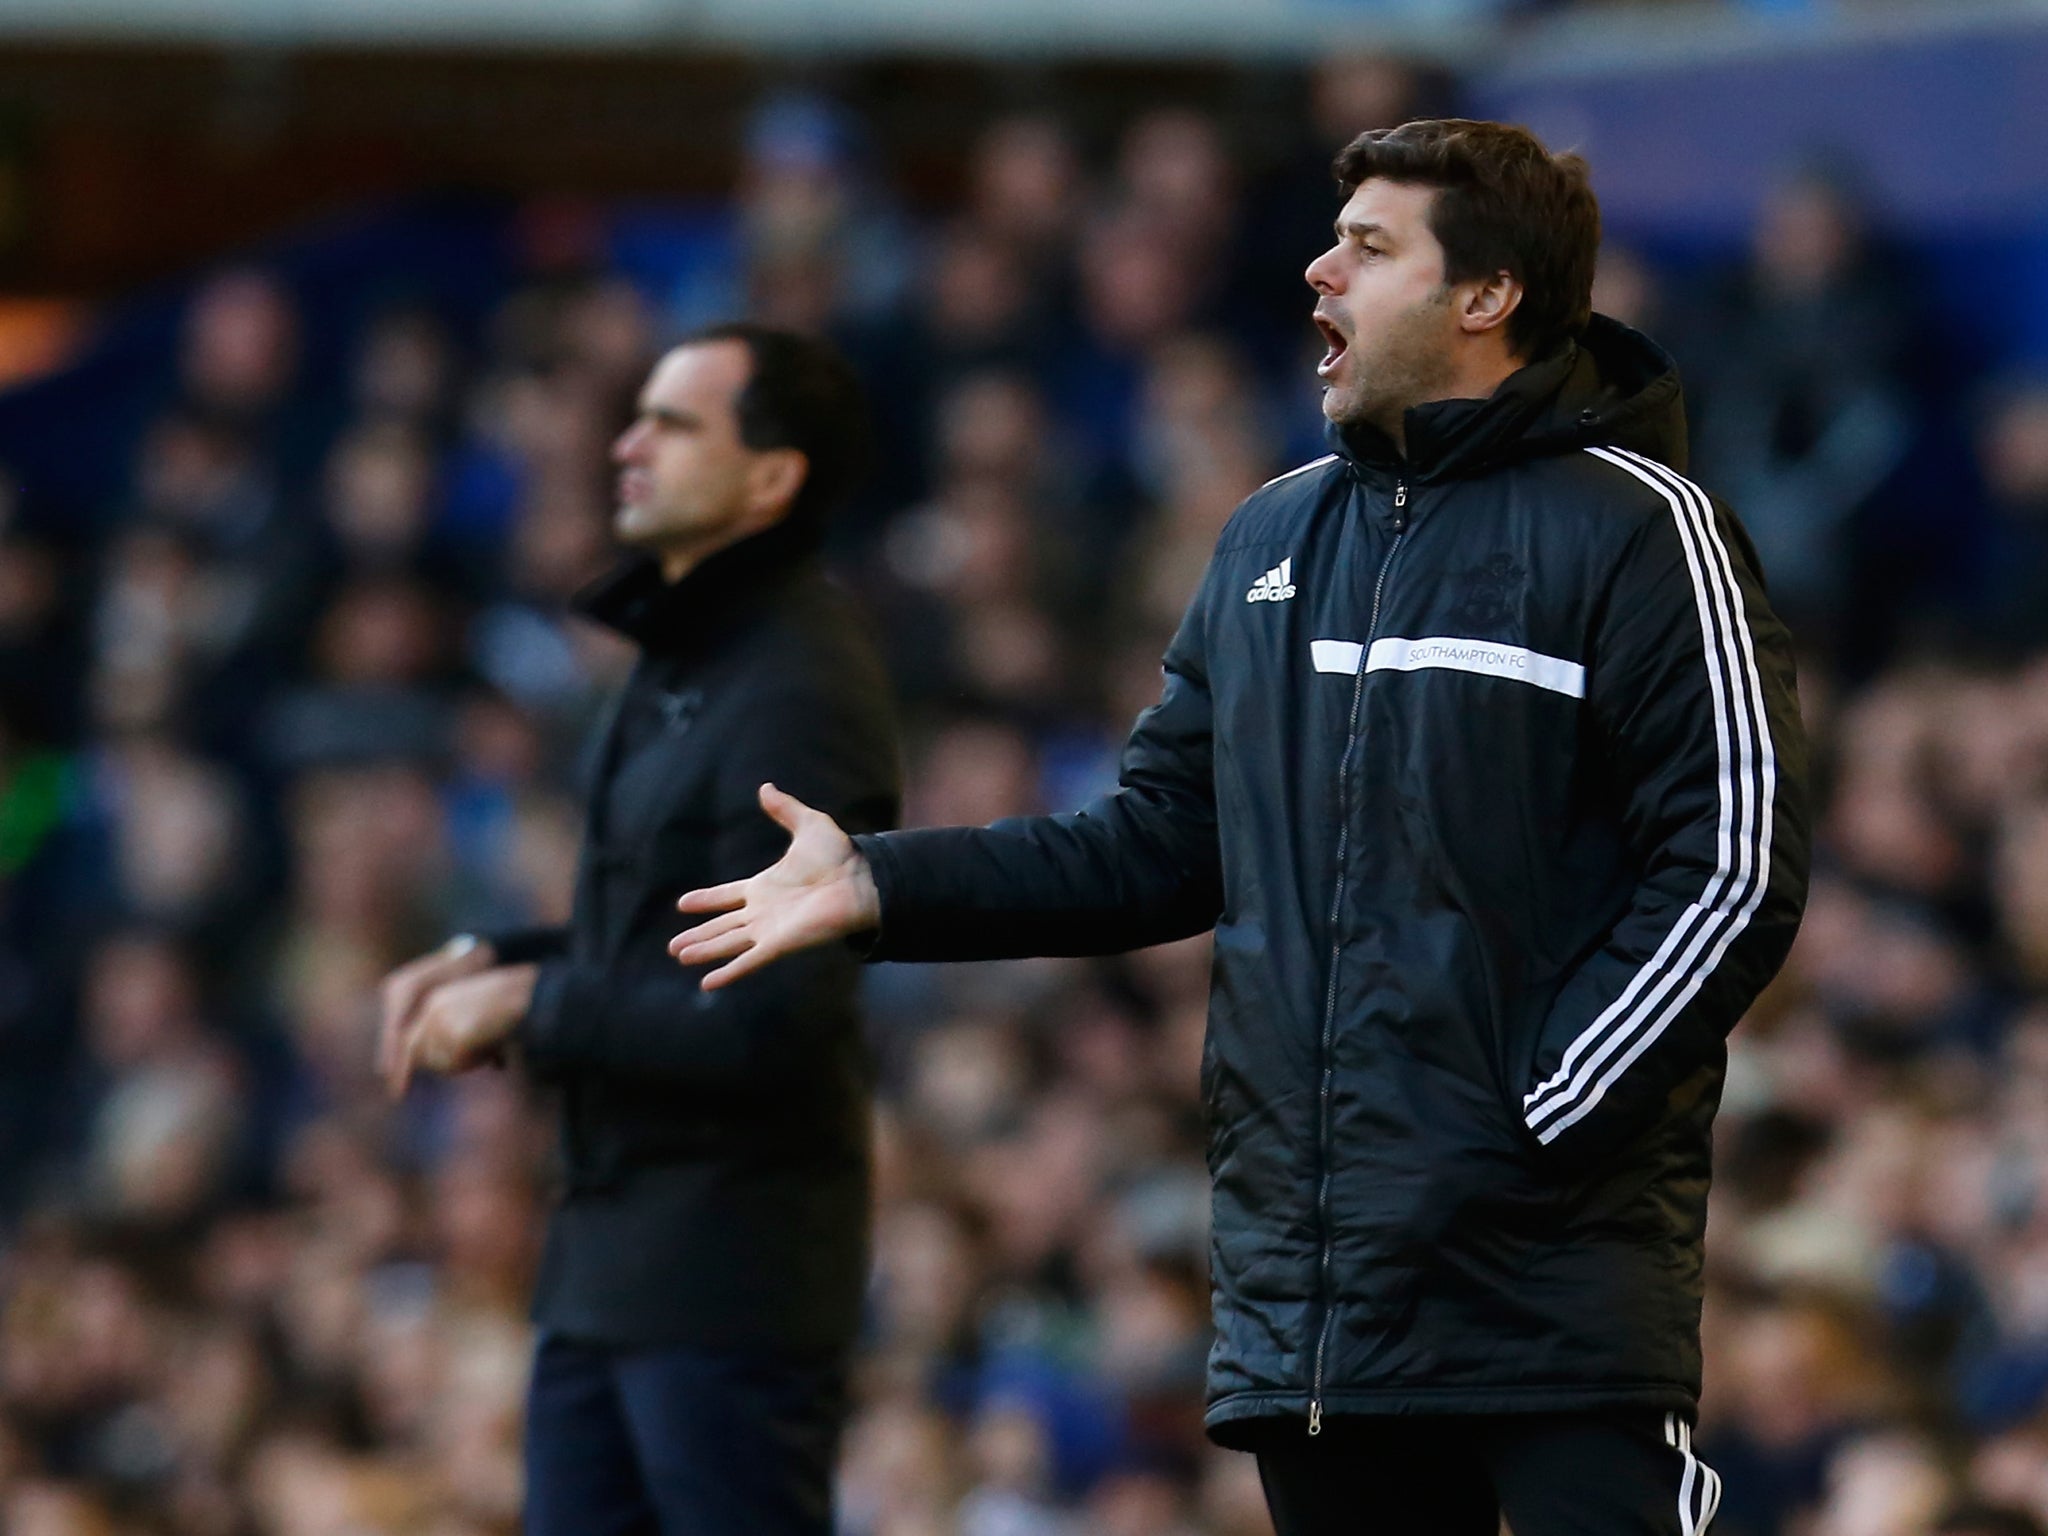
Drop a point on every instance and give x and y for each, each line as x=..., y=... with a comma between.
x=1803, y=410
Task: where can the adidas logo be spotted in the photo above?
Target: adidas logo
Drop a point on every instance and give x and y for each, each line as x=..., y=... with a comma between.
x=1276, y=586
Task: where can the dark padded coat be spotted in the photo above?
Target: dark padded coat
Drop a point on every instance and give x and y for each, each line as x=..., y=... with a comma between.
x=1486, y=767
x=715, y=1143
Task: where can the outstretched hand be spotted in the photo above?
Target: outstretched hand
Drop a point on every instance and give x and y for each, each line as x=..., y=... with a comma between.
x=819, y=891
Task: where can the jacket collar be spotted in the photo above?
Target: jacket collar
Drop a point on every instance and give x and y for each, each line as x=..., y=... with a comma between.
x=1612, y=386
x=706, y=604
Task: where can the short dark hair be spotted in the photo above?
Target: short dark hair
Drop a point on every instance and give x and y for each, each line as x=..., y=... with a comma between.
x=800, y=393
x=1504, y=203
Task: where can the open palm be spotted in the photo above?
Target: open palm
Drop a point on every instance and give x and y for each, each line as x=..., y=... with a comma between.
x=817, y=892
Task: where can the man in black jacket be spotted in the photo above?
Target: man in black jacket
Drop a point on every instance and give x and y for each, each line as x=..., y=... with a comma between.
x=703, y=1274
x=1479, y=750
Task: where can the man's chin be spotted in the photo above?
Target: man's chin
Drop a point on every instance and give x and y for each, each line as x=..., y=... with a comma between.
x=1340, y=407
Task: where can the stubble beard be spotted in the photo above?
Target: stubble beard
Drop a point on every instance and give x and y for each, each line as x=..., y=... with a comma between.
x=1406, y=365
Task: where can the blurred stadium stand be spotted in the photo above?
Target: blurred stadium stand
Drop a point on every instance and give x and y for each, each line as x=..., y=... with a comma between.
x=321, y=333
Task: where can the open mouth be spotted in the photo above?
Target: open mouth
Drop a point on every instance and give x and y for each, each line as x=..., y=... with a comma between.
x=1334, y=341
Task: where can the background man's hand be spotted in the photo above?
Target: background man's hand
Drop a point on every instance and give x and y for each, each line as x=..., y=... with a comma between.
x=464, y=1023
x=405, y=990
x=819, y=891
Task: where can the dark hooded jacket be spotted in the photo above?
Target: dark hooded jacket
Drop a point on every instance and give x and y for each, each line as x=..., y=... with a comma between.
x=715, y=1144
x=1485, y=765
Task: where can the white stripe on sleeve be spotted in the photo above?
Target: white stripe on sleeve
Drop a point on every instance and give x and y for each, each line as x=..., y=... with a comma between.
x=1746, y=784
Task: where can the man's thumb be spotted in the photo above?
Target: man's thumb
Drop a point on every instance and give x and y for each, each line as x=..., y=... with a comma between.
x=786, y=811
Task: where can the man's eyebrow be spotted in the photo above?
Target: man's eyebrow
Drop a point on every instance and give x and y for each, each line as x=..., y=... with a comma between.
x=1360, y=228
x=668, y=415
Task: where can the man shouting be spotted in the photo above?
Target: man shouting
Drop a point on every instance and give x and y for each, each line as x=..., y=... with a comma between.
x=1478, y=748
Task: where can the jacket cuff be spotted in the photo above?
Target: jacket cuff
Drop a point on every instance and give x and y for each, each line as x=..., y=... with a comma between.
x=518, y=946
x=560, y=1026
x=873, y=943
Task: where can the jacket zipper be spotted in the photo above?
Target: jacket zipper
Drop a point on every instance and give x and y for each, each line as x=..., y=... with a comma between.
x=1379, y=587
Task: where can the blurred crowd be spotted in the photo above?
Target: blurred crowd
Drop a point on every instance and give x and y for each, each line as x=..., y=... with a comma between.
x=304, y=700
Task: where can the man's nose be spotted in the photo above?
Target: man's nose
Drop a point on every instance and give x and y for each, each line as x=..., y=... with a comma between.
x=626, y=444
x=1320, y=275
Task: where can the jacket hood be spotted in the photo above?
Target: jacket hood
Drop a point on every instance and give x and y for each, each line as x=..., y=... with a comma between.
x=657, y=615
x=1613, y=386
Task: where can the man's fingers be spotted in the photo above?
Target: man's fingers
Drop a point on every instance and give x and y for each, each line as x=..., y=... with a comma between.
x=400, y=1019
x=755, y=957
x=401, y=996
x=401, y=1076
x=396, y=1041
x=716, y=928
x=713, y=898
x=689, y=949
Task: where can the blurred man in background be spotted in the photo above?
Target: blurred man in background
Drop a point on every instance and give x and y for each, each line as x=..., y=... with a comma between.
x=703, y=1273
x=1479, y=750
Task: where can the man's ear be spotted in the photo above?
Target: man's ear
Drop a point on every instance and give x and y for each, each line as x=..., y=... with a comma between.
x=774, y=480
x=1490, y=304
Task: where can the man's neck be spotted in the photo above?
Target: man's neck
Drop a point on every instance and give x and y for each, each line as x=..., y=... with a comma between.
x=1475, y=379
x=678, y=560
